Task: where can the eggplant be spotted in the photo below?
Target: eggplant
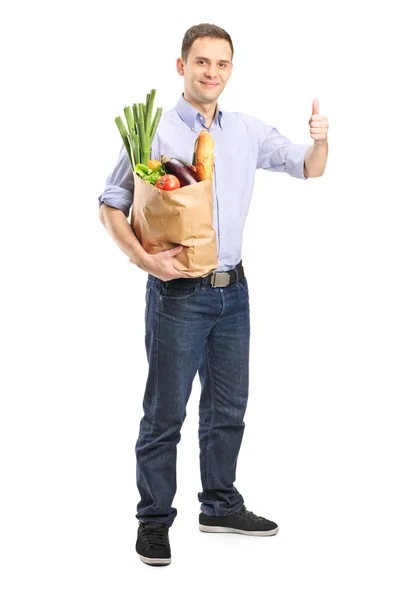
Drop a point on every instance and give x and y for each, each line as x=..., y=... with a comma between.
x=185, y=174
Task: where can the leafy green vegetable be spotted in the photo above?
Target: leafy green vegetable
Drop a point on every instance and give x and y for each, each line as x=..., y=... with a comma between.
x=149, y=175
x=142, y=170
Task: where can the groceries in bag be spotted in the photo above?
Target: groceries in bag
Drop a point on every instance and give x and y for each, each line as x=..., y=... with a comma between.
x=164, y=214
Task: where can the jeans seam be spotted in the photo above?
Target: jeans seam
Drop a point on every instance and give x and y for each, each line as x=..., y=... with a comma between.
x=157, y=328
x=212, y=416
x=146, y=314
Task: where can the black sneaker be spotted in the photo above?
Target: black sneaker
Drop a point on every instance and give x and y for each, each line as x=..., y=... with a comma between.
x=152, y=544
x=243, y=521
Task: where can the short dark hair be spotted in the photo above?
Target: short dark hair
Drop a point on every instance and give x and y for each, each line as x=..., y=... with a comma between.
x=203, y=30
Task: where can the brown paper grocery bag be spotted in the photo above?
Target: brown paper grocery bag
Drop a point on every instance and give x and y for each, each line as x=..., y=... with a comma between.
x=161, y=220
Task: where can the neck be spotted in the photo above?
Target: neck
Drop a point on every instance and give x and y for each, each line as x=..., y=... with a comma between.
x=207, y=110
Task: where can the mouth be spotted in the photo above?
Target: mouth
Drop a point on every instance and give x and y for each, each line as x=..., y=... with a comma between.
x=209, y=85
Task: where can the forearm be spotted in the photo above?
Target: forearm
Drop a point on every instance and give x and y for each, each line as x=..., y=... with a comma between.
x=122, y=233
x=315, y=159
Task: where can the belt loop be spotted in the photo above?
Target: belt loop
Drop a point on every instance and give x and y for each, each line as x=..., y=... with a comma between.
x=236, y=274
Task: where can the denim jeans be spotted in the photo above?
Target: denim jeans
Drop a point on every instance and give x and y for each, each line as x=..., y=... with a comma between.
x=190, y=328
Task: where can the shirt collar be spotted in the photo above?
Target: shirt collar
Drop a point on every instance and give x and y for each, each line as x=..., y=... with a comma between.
x=188, y=113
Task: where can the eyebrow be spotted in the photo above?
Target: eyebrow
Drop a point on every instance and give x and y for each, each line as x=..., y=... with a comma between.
x=219, y=60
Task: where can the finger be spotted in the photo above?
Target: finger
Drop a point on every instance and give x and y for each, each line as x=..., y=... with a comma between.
x=315, y=106
x=185, y=275
x=319, y=129
x=176, y=250
x=321, y=124
x=317, y=119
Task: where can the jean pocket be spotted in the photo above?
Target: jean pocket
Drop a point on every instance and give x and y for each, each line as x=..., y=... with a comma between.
x=243, y=285
x=177, y=291
x=147, y=303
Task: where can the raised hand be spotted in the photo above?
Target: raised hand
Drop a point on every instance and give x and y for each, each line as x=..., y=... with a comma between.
x=318, y=124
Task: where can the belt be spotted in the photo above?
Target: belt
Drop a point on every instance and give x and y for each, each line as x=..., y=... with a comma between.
x=217, y=279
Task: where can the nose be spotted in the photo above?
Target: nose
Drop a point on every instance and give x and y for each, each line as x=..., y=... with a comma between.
x=211, y=71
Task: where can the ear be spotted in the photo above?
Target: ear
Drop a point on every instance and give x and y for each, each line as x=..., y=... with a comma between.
x=180, y=66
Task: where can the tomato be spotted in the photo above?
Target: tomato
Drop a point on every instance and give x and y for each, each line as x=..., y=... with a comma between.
x=168, y=183
x=153, y=164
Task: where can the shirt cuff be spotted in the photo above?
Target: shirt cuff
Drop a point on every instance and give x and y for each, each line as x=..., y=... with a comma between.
x=117, y=197
x=295, y=160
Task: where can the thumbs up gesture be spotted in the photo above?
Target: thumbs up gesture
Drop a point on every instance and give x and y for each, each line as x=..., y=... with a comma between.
x=318, y=125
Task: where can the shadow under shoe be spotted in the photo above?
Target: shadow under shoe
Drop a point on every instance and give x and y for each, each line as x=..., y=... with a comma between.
x=243, y=521
x=152, y=544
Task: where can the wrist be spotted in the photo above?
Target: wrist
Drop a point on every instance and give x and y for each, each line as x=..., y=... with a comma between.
x=141, y=260
x=321, y=142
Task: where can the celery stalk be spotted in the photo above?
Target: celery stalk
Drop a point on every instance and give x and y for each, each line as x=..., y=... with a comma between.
x=149, y=113
x=142, y=135
x=129, y=117
x=124, y=135
x=135, y=113
x=154, y=125
x=146, y=108
x=135, y=138
x=131, y=152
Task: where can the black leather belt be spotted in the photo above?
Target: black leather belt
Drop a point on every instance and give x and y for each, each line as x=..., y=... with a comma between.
x=217, y=278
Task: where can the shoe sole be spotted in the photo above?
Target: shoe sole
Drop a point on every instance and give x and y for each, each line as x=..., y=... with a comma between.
x=214, y=529
x=155, y=562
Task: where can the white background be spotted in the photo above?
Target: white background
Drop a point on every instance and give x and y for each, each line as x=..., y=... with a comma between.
x=321, y=447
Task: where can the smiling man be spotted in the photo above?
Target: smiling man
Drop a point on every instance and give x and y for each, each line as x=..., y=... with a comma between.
x=206, y=69
x=202, y=325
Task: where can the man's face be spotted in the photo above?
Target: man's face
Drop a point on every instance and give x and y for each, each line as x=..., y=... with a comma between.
x=207, y=70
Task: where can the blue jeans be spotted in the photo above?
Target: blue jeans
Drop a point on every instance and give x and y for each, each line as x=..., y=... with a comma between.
x=190, y=328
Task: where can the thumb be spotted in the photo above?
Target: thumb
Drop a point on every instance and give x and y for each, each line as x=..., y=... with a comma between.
x=175, y=250
x=315, y=107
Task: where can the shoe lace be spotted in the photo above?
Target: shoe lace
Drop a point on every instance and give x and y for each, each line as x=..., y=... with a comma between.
x=250, y=515
x=153, y=536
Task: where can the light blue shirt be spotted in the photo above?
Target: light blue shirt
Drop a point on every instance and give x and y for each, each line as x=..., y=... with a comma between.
x=242, y=144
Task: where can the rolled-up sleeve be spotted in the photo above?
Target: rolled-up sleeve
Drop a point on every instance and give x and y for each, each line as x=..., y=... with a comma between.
x=278, y=153
x=118, y=191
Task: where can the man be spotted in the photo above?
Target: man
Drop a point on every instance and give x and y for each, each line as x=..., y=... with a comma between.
x=201, y=324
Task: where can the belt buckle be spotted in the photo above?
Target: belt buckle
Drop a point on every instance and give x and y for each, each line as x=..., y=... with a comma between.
x=220, y=279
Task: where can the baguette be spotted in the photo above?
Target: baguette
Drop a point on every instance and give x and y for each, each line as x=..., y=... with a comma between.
x=205, y=155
